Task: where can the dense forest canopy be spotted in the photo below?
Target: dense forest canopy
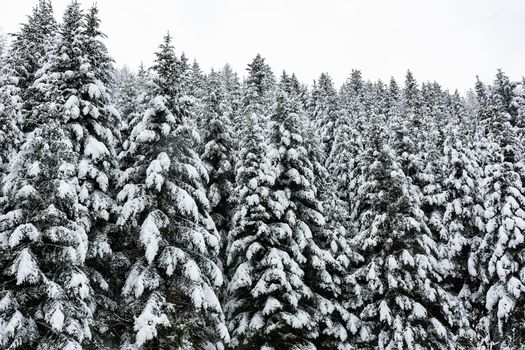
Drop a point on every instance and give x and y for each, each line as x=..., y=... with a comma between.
x=171, y=208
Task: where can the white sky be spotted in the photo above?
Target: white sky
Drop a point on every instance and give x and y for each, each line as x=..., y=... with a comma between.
x=445, y=40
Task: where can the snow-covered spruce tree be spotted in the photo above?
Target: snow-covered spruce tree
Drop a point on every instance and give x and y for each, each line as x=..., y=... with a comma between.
x=303, y=216
x=97, y=134
x=270, y=305
x=197, y=89
x=323, y=109
x=291, y=85
x=10, y=116
x=258, y=89
x=170, y=290
x=393, y=99
x=498, y=261
x=29, y=44
x=397, y=287
x=46, y=302
x=128, y=95
x=17, y=74
x=28, y=50
x=218, y=156
x=48, y=216
x=349, y=142
x=341, y=162
x=352, y=91
x=455, y=218
x=254, y=257
x=232, y=88
x=77, y=72
x=184, y=73
x=404, y=125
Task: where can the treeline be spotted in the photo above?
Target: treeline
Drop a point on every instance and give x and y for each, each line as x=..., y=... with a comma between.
x=176, y=209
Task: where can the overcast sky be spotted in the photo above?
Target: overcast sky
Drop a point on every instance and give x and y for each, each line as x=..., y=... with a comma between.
x=445, y=40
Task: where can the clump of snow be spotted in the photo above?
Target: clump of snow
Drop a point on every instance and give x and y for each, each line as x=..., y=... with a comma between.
x=95, y=149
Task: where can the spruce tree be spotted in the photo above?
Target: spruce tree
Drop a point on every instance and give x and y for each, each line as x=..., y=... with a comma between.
x=304, y=216
x=17, y=74
x=323, y=110
x=170, y=289
x=456, y=218
x=218, y=157
x=397, y=287
x=11, y=117
x=498, y=259
x=258, y=89
x=49, y=214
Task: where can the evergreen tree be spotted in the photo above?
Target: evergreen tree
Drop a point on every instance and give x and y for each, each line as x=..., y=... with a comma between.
x=498, y=259
x=47, y=301
x=10, y=116
x=3, y=48
x=258, y=88
x=28, y=50
x=171, y=286
x=455, y=218
x=323, y=109
x=17, y=74
x=197, y=89
x=270, y=305
x=397, y=288
x=217, y=155
x=303, y=215
x=51, y=210
x=129, y=94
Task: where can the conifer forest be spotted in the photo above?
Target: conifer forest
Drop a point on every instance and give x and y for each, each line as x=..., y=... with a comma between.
x=166, y=207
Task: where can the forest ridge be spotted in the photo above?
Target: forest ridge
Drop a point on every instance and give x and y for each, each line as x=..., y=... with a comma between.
x=172, y=208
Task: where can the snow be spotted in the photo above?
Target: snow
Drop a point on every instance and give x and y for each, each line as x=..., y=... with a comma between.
x=406, y=258
x=515, y=287
x=439, y=328
x=271, y=306
x=147, y=322
x=171, y=258
x=185, y=203
x=34, y=169
x=72, y=105
x=505, y=306
x=94, y=91
x=56, y=320
x=146, y=136
x=520, y=223
x=150, y=237
x=241, y=278
x=85, y=67
x=197, y=296
x=66, y=190
x=24, y=230
x=78, y=130
x=210, y=299
x=419, y=311
x=80, y=283
x=371, y=273
x=154, y=178
x=135, y=283
x=493, y=296
x=24, y=267
x=27, y=191
x=384, y=312
x=95, y=149
x=192, y=271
